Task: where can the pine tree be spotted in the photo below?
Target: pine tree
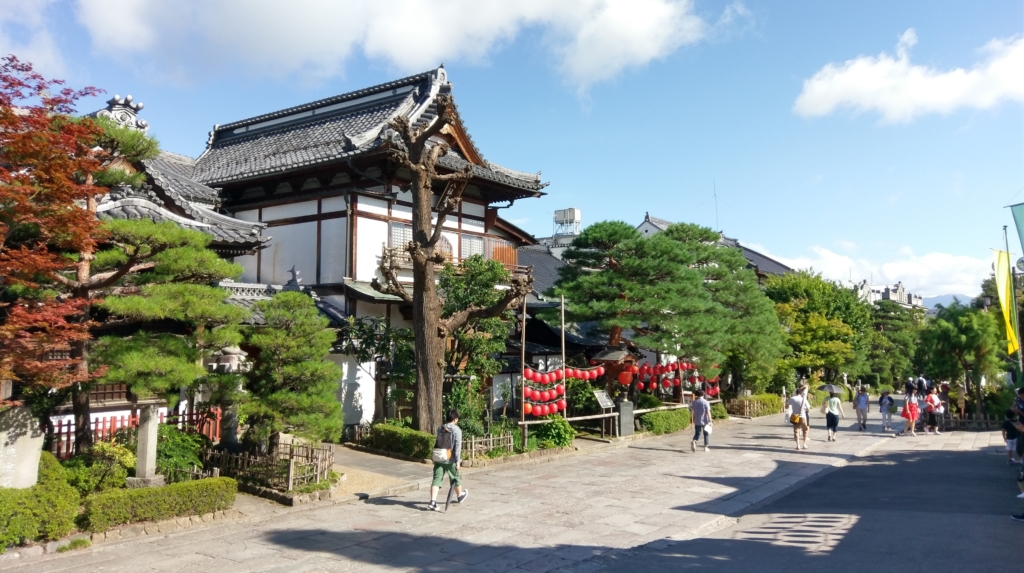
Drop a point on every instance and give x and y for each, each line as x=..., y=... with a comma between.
x=292, y=387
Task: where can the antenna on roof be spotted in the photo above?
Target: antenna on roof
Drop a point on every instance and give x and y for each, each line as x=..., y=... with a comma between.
x=714, y=186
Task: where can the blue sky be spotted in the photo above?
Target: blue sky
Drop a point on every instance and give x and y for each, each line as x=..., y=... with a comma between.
x=838, y=135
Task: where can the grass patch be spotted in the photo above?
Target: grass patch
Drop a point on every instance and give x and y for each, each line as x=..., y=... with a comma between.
x=80, y=543
x=332, y=478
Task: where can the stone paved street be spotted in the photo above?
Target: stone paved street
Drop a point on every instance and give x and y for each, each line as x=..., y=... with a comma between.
x=533, y=518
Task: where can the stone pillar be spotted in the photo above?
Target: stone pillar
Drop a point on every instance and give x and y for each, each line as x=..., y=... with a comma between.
x=625, y=418
x=145, y=463
x=21, y=443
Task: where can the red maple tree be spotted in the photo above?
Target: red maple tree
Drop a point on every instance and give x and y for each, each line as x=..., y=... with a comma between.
x=46, y=158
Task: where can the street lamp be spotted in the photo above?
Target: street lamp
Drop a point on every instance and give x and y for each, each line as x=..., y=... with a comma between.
x=986, y=301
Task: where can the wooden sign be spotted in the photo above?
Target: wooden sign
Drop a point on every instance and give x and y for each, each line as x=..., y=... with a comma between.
x=604, y=399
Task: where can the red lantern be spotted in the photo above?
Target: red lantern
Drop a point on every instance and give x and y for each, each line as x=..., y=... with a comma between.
x=666, y=383
x=528, y=374
x=527, y=409
x=692, y=379
x=701, y=378
x=561, y=404
x=600, y=371
x=625, y=378
x=634, y=369
x=548, y=379
x=545, y=395
x=528, y=393
x=593, y=362
x=640, y=386
x=676, y=382
x=560, y=389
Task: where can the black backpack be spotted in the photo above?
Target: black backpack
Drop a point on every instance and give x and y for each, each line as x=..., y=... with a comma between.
x=444, y=442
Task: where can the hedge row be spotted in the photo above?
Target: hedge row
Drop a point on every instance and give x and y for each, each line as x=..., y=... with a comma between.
x=46, y=510
x=760, y=405
x=106, y=510
x=399, y=440
x=666, y=421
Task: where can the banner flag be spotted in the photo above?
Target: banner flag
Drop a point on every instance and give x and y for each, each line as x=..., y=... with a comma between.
x=1004, y=287
x=1018, y=218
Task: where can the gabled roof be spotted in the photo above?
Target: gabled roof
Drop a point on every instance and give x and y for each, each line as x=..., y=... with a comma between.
x=661, y=224
x=343, y=127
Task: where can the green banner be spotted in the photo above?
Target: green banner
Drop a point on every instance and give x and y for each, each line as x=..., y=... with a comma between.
x=1018, y=218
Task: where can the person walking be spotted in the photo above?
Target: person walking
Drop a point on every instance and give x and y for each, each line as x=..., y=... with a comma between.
x=885, y=403
x=862, y=404
x=1010, y=437
x=446, y=456
x=797, y=409
x=910, y=413
x=833, y=409
x=700, y=410
x=933, y=407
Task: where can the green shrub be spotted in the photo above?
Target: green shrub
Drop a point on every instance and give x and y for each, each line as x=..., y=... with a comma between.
x=666, y=421
x=175, y=449
x=106, y=510
x=46, y=510
x=103, y=468
x=580, y=395
x=884, y=387
x=80, y=543
x=817, y=397
x=871, y=379
x=405, y=441
x=645, y=401
x=472, y=428
x=718, y=411
x=555, y=434
x=760, y=405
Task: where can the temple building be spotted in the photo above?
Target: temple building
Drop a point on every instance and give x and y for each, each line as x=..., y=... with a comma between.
x=313, y=190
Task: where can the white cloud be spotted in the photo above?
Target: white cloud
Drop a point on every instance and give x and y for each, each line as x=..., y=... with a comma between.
x=930, y=274
x=23, y=32
x=593, y=40
x=900, y=91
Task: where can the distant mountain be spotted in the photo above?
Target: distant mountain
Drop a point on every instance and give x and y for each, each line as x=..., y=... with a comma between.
x=946, y=299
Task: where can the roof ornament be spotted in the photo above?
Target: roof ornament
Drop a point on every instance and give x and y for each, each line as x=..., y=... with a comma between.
x=128, y=192
x=124, y=112
x=294, y=283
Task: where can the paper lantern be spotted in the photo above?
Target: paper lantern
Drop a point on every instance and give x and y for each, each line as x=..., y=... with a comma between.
x=528, y=393
x=560, y=389
x=701, y=378
x=593, y=362
x=561, y=404
x=528, y=373
x=527, y=409
x=676, y=382
x=634, y=369
x=666, y=383
x=545, y=379
x=625, y=378
x=692, y=379
x=640, y=386
x=600, y=370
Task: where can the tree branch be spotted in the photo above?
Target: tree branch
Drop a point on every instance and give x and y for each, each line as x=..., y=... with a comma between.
x=389, y=269
x=445, y=116
x=103, y=280
x=449, y=201
x=520, y=286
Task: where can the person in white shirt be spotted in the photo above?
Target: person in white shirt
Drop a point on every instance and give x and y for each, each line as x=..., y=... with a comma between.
x=797, y=409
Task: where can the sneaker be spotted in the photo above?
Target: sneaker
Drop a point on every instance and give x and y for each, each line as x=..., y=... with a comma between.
x=1011, y=463
x=707, y=449
x=465, y=494
x=433, y=506
x=693, y=446
x=1017, y=517
x=1020, y=496
x=938, y=433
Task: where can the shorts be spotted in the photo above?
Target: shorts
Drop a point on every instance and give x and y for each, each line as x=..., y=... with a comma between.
x=802, y=427
x=1011, y=445
x=831, y=421
x=452, y=469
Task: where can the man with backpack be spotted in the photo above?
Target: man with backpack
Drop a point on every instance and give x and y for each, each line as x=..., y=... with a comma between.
x=446, y=457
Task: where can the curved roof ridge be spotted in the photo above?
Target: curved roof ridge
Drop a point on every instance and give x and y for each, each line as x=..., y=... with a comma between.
x=329, y=100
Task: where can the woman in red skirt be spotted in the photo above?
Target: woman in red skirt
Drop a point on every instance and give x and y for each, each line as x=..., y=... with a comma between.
x=910, y=412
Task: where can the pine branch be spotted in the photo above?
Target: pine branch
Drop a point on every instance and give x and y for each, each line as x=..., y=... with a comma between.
x=518, y=289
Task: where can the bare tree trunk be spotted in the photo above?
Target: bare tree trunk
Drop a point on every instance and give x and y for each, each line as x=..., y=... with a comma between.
x=83, y=419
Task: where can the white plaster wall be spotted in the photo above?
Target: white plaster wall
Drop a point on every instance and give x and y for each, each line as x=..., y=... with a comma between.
x=401, y=212
x=372, y=237
x=333, y=250
x=248, y=263
x=372, y=205
x=332, y=204
x=253, y=215
x=472, y=225
x=355, y=389
x=472, y=209
x=290, y=210
x=292, y=245
x=647, y=229
x=500, y=384
x=370, y=309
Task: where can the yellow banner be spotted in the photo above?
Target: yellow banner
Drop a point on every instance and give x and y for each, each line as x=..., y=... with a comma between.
x=1004, y=287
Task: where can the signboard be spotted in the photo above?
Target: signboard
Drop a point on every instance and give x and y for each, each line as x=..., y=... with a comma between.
x=604, y=399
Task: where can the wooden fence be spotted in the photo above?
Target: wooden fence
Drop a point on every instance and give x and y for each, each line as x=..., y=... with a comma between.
x=749, y=408
x=291, y=466
x=473, y=447
x=104, y=429
x=969, y=422
x=178, y=475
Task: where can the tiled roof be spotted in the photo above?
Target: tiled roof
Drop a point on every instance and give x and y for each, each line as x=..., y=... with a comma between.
x=172, y=173
x=332, y=129
x=545, y=266
x=659, y=223
x=247, y=295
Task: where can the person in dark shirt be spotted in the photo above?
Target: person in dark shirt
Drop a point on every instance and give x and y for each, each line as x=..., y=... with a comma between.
x=1010, y=436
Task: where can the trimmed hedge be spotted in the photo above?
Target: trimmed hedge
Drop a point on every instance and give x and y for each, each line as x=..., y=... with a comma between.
x=666, y=421
x=718, y=411
x=760, y=405
x=106, y=510
x=46, y=510
x=405, y=441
